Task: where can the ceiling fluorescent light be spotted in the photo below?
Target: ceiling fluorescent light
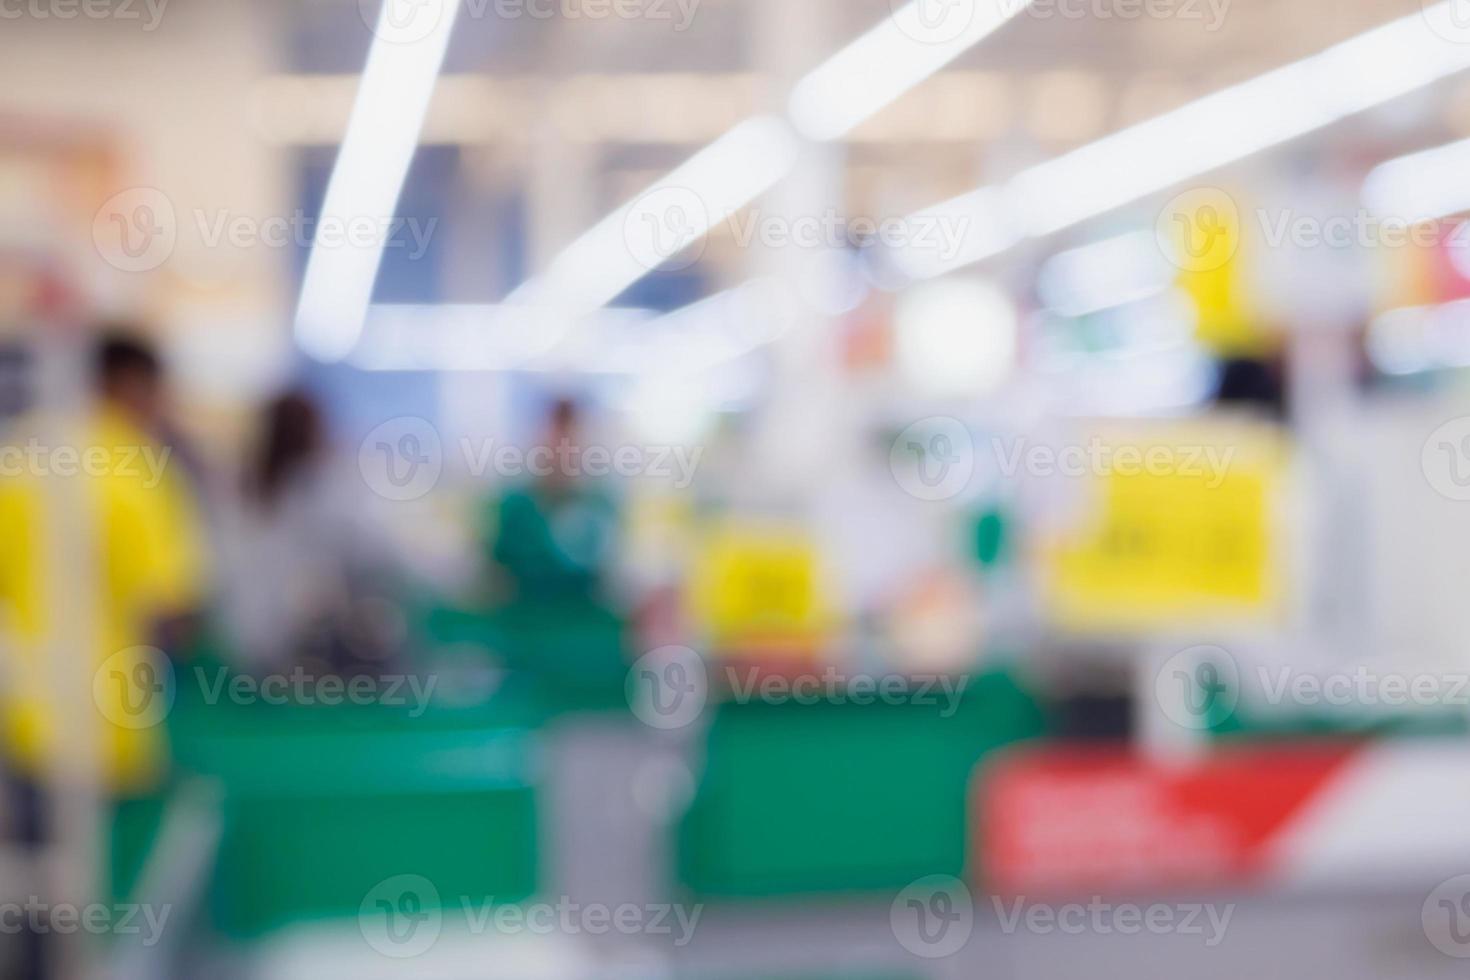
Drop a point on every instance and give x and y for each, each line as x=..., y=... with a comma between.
x=382, y=134
x=1421, y=186
x=1364, y=71
x=889, y=60
x=666, y=220
x=905, y=48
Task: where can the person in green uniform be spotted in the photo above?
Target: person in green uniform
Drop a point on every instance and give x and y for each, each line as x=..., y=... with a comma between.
x=554, y=535
x=552, y=547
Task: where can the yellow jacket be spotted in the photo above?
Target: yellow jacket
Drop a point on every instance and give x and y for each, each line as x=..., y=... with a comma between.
x=145, y=562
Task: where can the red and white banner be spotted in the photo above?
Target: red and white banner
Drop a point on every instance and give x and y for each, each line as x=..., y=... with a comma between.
x=1059, y=820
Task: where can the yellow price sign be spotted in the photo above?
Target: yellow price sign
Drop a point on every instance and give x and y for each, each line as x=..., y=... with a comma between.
x=1200, y=231
x=1180, y=526
x=759, y=586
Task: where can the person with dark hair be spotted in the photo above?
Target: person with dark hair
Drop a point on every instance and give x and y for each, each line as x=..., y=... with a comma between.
x=1252, y=383
x=550, y=542
x=553, y=537
x=127, y=374
x=149, y=558
x=291, y=442
x=307, y=560
x=97, y=504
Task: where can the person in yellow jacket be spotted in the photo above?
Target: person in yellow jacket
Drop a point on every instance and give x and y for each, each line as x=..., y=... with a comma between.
x=142, y=568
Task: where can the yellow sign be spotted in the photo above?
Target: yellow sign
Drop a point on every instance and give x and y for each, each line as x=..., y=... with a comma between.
x=1201, y=232
x=758, y=586
x=1179, y=528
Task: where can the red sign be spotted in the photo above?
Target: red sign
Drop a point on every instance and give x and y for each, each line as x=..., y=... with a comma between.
x=1069, y=820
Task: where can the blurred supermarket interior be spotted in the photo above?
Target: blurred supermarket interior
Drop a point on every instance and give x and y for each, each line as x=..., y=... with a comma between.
x=734, y=489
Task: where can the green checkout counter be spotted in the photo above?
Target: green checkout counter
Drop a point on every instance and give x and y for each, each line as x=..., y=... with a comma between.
x=318, y=804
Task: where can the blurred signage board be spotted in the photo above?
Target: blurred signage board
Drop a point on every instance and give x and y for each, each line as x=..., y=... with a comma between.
x=1071, y=820
x=1429, y=266
x=758, y=587
x=1202, y=233
x=1167, y=524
